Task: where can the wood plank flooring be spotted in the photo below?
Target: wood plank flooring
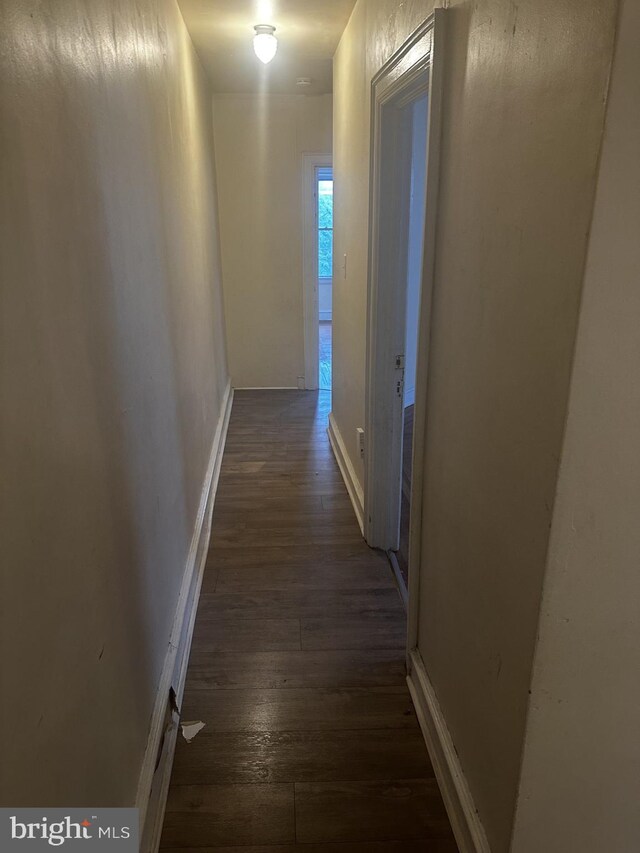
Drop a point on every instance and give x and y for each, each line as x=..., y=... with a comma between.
x=311, y=742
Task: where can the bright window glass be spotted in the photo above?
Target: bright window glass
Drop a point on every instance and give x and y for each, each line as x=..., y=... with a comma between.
x=325, y=226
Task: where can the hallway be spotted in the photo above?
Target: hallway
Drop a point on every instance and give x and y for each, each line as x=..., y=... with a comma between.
x=297, y=665
x=429, y=205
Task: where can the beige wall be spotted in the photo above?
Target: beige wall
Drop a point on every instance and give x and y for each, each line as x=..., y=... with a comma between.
x=259, y=147
x=113, y=370
x=523, y=113
x=582, y=757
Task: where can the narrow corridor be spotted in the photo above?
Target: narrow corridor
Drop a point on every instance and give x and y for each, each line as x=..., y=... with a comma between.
x=297, y=666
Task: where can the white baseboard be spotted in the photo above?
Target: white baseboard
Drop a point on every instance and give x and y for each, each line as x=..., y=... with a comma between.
x=324, y=316
x=397, y=574
x=155, y=775
x=267, y=388
x=466, y=825
x=409, y=397
x=346, y=469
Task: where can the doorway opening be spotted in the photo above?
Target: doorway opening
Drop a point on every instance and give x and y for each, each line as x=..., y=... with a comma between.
x=317, y=222
x=324, y=220
x=415, y=241
x=404, y=133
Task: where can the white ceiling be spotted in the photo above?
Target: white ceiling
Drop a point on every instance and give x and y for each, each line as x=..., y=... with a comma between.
x=308, y=32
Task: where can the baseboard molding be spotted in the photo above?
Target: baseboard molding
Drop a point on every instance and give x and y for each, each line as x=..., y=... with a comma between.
x=324, y=316
x=156, y=769
x=397, y=574
x=268, y=388
x=458, y=801
x=346, y=469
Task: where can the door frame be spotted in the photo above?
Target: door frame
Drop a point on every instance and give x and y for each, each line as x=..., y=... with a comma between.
x=421, y=52
x=310, y=163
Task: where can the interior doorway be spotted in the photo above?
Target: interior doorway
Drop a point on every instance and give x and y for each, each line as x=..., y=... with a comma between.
x=405, y=130
x=324, y=225
x=418, y=110
x=317, y=204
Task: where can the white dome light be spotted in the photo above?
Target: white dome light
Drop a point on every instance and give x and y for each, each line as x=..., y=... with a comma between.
x=265, y=44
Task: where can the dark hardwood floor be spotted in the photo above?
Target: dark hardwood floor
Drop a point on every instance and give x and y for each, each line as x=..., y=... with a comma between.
x=311, y=742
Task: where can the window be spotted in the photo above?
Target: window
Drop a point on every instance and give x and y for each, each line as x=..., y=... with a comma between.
x=324, y=179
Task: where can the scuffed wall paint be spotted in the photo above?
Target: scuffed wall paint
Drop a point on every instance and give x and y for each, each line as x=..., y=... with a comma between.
x=113, y=370
x=523, y=114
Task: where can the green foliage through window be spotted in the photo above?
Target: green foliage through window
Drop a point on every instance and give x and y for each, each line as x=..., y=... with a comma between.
x=325, y=229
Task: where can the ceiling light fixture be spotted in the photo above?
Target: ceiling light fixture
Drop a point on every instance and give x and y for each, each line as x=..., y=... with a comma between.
x=265, y=43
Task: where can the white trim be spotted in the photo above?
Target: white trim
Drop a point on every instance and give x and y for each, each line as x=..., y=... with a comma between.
x=397, y=574
x=267, y=388
x=324, y=316
x=346, y=469
x=310, y=162
x=155, y=774
x=402, y=73
x=425, y=324
x=402, y=80
x=465, y=822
